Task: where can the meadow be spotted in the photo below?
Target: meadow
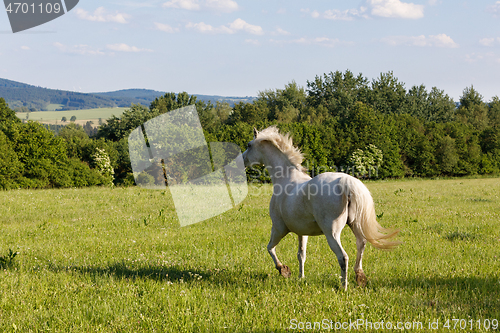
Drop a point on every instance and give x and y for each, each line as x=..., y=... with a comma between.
x=54, y=117
x=116, y=260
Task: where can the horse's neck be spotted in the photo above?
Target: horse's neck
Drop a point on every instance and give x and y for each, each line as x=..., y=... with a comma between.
x=280, y=168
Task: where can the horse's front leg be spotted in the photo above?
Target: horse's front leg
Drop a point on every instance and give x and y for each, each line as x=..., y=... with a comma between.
x=301, y=254
x=277, y=235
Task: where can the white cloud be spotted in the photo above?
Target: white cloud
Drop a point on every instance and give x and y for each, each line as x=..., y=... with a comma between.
x=125, y=48
x=232, y=28
x=280, y=32
x=494, y=9
x=373, y=8
x=225, y=6
x=81, y=49
x=396, y=9
x=239, y=24
x=441, y=40
x=344, y=15
x=482, y=57
x=207, y=28
x=183, y=4
x=489, y=41
x=165, y=28
x=100, y=15
x=25, y=48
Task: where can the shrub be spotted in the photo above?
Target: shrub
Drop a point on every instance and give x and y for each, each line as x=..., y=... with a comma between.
x=102, y=164
x=365, y=163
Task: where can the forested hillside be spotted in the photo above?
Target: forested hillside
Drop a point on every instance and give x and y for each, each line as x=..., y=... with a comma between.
x=24, y=97
x=340, y=121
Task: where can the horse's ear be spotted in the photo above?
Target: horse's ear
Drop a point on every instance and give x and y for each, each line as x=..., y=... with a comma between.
x=255, y=132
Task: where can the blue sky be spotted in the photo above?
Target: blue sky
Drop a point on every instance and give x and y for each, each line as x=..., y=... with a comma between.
x=238, y=48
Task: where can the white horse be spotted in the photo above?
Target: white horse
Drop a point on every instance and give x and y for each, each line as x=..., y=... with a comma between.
x=314, y=206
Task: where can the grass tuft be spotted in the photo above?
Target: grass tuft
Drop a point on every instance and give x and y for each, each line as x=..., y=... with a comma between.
x=7, y=260
x=460, y=235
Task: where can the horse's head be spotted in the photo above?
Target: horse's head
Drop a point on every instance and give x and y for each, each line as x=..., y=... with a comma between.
x=253, y=155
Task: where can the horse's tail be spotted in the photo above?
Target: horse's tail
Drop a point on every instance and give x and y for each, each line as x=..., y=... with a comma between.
x=358, y=195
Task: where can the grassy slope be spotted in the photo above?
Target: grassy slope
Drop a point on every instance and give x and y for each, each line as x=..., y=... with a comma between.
x=114, y=260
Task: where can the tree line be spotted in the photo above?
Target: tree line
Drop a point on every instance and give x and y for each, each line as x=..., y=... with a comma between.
x=341, y=121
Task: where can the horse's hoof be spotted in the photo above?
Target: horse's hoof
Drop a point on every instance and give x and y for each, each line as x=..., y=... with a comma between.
x=285, y=271
x=361, y=279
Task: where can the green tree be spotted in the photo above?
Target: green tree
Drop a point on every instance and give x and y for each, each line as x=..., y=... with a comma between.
x=10, y=167
x=388, y=95
x=441, y=108
x=417, y=102
x=415, y=150
x=223, y=111
x=490, y=140
x=284, y=105
x=117, y=128
x=472, y=109
x=121, y=162
x=430, y=106
x=73, y=118
x=6, y=114
x=171, y=101
x=43, y=156
x=209, y=117
x=310, y=140
x=363, y=127
x=82, y=175
x=76, y=140
x=337, y=92
x=494, y=112
x=250, y=113
x=447, y=155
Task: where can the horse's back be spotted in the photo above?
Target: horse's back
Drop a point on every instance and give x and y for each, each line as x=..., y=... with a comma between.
x=327, y=195
x=313, y=204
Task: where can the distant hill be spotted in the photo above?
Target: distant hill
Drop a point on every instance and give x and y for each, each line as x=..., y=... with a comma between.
x=126, y=97
x=146, y=96
x=26, y=97
x=34, y=98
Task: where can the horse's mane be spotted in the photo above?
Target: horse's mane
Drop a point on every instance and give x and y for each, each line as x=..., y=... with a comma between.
x=284, y=144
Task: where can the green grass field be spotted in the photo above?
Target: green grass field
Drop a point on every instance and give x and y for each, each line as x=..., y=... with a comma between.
x=115, y=260
x=53, y=107
x=89, y=114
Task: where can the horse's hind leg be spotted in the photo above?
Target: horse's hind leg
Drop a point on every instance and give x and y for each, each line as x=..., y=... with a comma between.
x=361, y=279
x=333, y=239
x=334, y=242
x=276, y=236
x=358, y=267
x=301, y=254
